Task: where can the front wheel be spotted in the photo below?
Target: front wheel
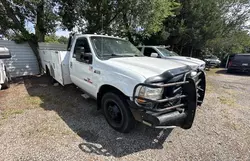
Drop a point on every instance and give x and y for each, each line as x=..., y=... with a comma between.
x=117, y=113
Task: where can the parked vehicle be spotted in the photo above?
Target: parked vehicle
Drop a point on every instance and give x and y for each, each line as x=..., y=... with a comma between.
x=212, y=61
x=127, y=85
x=4, y=75
x=240, y=63
x=162, y=52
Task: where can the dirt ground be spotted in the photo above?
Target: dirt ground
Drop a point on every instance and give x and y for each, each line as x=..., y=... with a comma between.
x=44, y=122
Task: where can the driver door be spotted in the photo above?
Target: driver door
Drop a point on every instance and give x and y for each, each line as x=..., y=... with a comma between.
x=81, y=71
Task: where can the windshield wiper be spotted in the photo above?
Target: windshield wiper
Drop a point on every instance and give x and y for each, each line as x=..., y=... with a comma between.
x=117, y=55
x=120, y=55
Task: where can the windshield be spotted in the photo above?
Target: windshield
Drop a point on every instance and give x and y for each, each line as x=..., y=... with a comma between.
x=242, y=57
x=106, y=47
x=166, y=52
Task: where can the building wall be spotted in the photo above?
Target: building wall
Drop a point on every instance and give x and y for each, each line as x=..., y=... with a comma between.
x=23, y=61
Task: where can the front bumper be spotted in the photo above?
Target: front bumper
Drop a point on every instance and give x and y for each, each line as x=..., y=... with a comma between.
x=174, y=109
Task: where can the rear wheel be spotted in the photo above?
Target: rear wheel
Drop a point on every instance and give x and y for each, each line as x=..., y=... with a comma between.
x=229, y=71
x=117, y=113
x=6, y=83
x=51, y=79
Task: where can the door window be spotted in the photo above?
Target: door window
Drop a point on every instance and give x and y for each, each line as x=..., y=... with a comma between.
x=149, y=51
x=81, y=42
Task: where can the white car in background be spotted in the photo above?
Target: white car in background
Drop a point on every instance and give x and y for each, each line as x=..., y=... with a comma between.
x=162, y=52
x=4, y=76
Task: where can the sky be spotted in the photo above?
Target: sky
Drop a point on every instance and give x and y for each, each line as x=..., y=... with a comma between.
x=59, y=32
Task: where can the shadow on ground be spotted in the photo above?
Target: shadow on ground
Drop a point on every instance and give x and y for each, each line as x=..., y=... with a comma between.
x=81, y=116
x=224, y=71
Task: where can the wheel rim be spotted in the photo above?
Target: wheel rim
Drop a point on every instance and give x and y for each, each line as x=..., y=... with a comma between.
x=114, y=113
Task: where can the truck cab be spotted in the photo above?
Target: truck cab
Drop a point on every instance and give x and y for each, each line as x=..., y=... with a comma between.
x=4, y=75
x=130, y=87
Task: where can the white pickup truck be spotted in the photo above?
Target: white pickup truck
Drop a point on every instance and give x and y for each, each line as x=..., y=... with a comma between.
x=127, y=85
x=162, y=52
x=4, y=75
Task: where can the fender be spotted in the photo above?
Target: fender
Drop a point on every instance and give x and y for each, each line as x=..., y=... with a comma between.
x=122, y=82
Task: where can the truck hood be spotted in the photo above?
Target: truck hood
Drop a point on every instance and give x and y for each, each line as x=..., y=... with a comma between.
x=187, y=60
x=145, y=66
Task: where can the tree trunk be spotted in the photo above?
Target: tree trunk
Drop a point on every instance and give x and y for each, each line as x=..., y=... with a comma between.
x=128, y=33
x=181, y=50
x=34, y=46
x=40, y=29
x=191, y=52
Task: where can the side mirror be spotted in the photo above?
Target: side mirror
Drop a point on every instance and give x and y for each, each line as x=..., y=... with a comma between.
x=82, y=56
x=79, y=53
x=154, y=55
x=4, y=53
x=87, y=58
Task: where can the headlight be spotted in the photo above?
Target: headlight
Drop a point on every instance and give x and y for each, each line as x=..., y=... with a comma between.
x=149, y=93
x=193, y=73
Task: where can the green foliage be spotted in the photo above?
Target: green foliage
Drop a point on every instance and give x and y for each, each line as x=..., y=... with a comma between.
x=202, y=24
x=236, y=42
x=63, y=40
x=17, y=13
x=189, y=26
x=55, y=39
x=124, y=18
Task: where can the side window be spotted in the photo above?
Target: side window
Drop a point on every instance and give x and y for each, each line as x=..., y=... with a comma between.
x=149, y=51
x=81, y=42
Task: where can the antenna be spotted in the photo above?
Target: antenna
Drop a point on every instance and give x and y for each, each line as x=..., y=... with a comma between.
x=102, y=32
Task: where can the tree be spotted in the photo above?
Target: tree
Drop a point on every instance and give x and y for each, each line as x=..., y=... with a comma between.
x=52, y=38
x=199, y=22
x=15, y=14
x=123, y=18
x=63, y=40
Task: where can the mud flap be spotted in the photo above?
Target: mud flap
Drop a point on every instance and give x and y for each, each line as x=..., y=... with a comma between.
x=190, y=90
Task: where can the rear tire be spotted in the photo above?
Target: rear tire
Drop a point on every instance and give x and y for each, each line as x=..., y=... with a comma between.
x=117, y=113
x=6, y=83
x=51, y=79
x=229, y=71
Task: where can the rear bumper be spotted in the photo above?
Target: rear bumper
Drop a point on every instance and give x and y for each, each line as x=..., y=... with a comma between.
x=239, y=68
x=179, y=114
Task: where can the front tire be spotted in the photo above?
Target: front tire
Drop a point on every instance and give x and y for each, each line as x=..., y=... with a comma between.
x=117, y=112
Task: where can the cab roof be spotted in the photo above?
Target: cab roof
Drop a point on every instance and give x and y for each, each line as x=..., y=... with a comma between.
x=97, y=35
x=248, y=54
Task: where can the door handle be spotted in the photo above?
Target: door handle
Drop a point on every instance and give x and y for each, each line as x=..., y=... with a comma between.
x=70, y=64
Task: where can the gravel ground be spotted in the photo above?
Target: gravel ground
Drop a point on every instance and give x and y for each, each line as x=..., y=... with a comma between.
x=41, y=122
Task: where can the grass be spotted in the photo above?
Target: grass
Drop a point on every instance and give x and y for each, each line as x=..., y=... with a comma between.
x=214, y=71
x=209, y=86
x=9, y=112
x=227, y=100
x=34, y=101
